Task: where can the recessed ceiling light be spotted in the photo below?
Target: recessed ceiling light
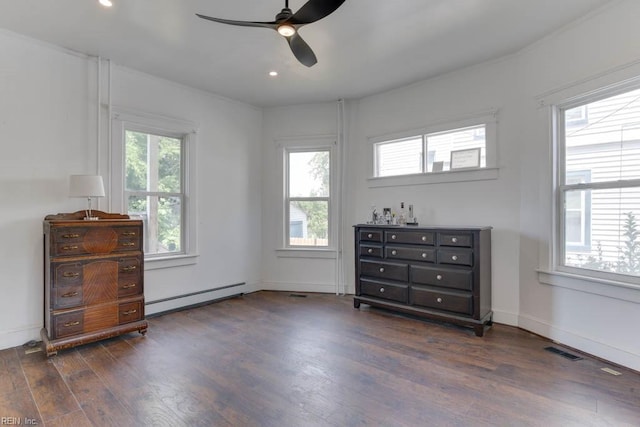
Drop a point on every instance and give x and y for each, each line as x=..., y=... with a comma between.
x=106, y=3
x=273, y=73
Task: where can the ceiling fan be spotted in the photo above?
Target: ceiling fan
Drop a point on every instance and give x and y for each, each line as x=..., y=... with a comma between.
x=288, y=23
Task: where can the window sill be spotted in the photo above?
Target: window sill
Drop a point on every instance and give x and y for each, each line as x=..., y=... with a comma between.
x=482, y=174
x=156, y=263
x=306, y=253
x=592, y=285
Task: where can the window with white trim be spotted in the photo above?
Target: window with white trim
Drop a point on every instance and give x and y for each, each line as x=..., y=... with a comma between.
x=153, y=175
x=598, y=185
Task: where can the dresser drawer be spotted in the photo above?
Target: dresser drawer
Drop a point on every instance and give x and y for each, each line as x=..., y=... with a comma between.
x=455, y=239
x=389, y=291
x=67, y=274
x=70, y=241
x=411, y=237
x=67, y=324
x=129, y=286
x=66, y=297
x=130, y=312
x=455, y=256
x=374, y=251
x=370, y=236
x=425, y=254
x=442, y=300
x=128, y=267
x=385, y=270
x=442, y=277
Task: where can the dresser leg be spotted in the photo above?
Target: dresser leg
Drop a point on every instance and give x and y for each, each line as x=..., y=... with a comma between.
x=479, y=330
x=356, y=303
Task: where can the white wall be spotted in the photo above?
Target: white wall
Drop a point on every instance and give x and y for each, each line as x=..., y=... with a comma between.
x=48, y=129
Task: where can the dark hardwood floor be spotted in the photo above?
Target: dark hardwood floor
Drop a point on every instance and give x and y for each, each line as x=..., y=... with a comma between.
x=273, y=359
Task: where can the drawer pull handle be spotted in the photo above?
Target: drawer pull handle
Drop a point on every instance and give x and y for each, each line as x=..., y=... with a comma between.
x=454, y=257
x=70, y=236
x=393, y=237
x=381, y=269
x=382, y=290
x=129, y=233
x=439, y=299
x=128, y=268
x=370, y=250
x=128, y=244
x=69, y=294
x=454, y=240
x=128, y=312
x=70, y=274
x=69, y=248
x=69, y=324
x=129, y=286
x=439, y=277
x=394, y=252
x=369, y=235
x=424, y=238
x=424, y=254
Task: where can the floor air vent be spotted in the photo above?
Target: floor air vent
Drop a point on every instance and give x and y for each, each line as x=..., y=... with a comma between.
x=563, y=353
x=297, y=295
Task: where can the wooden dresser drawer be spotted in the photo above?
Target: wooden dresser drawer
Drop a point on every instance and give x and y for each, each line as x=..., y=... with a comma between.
x=130, y=312
x=128, y=287
x=385, y=270
x=67, y=274
x=425, y=254
x=373, y=251
x=455, y=256
x=67, y=324
x=455, y=239
x=390, y=291
x=412, y=237
x=71, y=241
x=442, y=277
x=370, y=236
x=442, y=300
x=66, y=297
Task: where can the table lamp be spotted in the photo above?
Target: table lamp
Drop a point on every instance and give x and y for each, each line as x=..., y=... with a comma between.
x=86, y=186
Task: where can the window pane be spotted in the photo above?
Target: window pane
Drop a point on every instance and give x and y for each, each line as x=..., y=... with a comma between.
x=309, y=174
x=309, y=223
x=441, y=144
x=611, y=231
x=153, y=163
x=607, y=140
x=162, y=217
x=402, y=157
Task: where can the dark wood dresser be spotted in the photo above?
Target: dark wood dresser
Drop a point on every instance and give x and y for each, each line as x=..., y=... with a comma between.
x=438, y=273
x=93, y=279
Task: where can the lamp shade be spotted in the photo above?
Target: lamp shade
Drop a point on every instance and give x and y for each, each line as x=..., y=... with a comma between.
x=86, y=186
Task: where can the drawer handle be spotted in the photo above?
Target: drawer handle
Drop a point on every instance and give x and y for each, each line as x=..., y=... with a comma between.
x=370, y=250
x=394, y=252
x=369, y=235
x=128, y=244
x=70, y=236
x=454, y=240
x=439, y=299
x=69, y=248
x=393, y=237
x=424, y=238
x=439, y=277
x=129, y=233
x=424, y=254
x=382, y=290
x=129, y=286
x=69, y=294
x=70, y=274
x=454, y=257
x=128, y=268
x=381, y=269
x=128, y=312
x=69, y=324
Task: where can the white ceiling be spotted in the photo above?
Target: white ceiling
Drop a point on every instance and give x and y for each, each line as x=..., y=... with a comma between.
x=364, y=47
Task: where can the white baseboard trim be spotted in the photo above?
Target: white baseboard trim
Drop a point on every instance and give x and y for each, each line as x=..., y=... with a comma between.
x=505, y=318
x=328, y=288
x=17, y=337
x=598, y=349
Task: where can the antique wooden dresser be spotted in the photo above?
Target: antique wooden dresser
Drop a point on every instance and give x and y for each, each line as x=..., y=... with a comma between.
x=93, y=279
x=439, y=273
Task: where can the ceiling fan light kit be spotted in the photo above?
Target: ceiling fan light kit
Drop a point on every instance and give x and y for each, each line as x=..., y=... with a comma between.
x=288, y=23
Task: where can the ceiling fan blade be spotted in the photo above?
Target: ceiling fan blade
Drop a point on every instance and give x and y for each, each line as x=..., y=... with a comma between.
x=301, y=50
x=314, y=10
x=271, y=25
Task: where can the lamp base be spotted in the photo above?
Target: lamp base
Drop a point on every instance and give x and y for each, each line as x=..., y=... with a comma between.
x=91, y=218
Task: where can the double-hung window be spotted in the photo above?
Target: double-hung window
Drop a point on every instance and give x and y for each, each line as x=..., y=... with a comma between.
x=598, y=185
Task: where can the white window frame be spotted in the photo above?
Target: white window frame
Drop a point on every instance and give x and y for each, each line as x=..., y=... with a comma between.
x=490, y=171
x=126, y=120
x=302, y=144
